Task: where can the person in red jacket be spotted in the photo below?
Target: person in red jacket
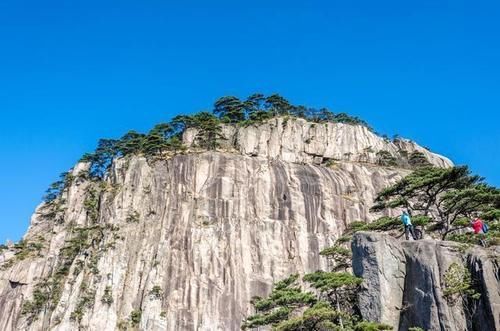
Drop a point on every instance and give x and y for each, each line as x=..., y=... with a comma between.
x=477, y=225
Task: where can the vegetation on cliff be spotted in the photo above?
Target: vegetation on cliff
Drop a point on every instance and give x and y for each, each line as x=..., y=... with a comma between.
x=331, y=306
x=444, y=201
x=167, y=137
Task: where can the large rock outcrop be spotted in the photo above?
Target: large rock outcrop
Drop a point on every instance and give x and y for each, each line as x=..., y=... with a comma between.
x=404, y=283
x=212, y=230
x=380, y=260
x=184, y=242
x=299, y=141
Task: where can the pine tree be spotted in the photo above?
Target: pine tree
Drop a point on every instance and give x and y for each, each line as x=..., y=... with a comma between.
x=255, y=108
x=285, y=297
x=154, y=144
x=209, y=130
x=131, y=143
x=278, y=105
x=164, y=130
x=101, y=159
x=230, y=109
x=417, y=159
x=445, y=195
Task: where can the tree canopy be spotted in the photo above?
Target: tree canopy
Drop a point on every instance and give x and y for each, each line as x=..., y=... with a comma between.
x=55, y=189
x=230, y=109
x=448, y=197
x=257, y=108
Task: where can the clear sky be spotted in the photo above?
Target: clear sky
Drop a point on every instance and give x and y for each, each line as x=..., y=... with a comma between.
x=72, y=72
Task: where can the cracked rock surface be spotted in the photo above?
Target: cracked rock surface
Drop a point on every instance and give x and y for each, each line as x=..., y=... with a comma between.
x=185, y=242
x=403, y=283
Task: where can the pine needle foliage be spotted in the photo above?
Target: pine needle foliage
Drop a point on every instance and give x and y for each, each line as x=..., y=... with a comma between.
x=445, y=199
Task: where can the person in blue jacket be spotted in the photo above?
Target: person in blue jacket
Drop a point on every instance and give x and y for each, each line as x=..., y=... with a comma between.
x=406, y=219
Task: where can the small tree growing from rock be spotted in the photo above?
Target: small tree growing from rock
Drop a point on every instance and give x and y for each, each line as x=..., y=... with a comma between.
x=458, y=288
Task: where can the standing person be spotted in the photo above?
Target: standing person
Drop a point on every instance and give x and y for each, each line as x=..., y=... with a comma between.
x=477, y=225
x=406, y=219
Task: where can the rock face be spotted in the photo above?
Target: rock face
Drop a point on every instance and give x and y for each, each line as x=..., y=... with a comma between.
x=404, y=283
x=485, y=269
x=183, y=243
x=299, y=141
x=380, y=260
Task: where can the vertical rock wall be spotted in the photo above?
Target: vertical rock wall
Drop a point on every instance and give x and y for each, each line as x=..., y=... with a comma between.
x=184, y=243
x=421, y=266
x=210, y=230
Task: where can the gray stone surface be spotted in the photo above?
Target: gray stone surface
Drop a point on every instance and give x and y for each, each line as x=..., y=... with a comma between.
x=484, y=266
x=299, y=141
x=421, y=267
x=423, y=303
x=213, y=228
x=381, y=262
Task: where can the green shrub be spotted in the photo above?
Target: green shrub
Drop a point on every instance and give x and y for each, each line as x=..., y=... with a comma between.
x=122, y=325
x=156, y=292
x=46, y=295
x=421, y=220
x=85, y=301
x=343, y=239
x=91, y=204
x=418, y=159
x=384, y=158
x=458, y=284
x=371, y=326
x=357, y=226
x=135, y=316
x=465, y=238
x=133, y=217
x=7, y=264
x=384, y=223
x=107, y=297
x=25, y=249
x=93, y=264
x=340, y=256
x=329, y=163
x=41, y=297
x=78, y=267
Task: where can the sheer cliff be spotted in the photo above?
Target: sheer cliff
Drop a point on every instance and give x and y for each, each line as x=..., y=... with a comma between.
x=184, y=241
x=406, y=284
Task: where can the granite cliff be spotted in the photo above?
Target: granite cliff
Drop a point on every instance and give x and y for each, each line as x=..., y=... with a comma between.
x=405, y=283
x=183, y=242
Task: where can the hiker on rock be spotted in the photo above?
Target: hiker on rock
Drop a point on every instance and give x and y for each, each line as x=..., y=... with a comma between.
x=477, y=225
x=405, y=218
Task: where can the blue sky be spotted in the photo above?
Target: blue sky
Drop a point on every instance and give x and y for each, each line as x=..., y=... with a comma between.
x=72, y=72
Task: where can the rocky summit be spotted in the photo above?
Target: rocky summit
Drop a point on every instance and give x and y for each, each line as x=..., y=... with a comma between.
x=184, y=241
